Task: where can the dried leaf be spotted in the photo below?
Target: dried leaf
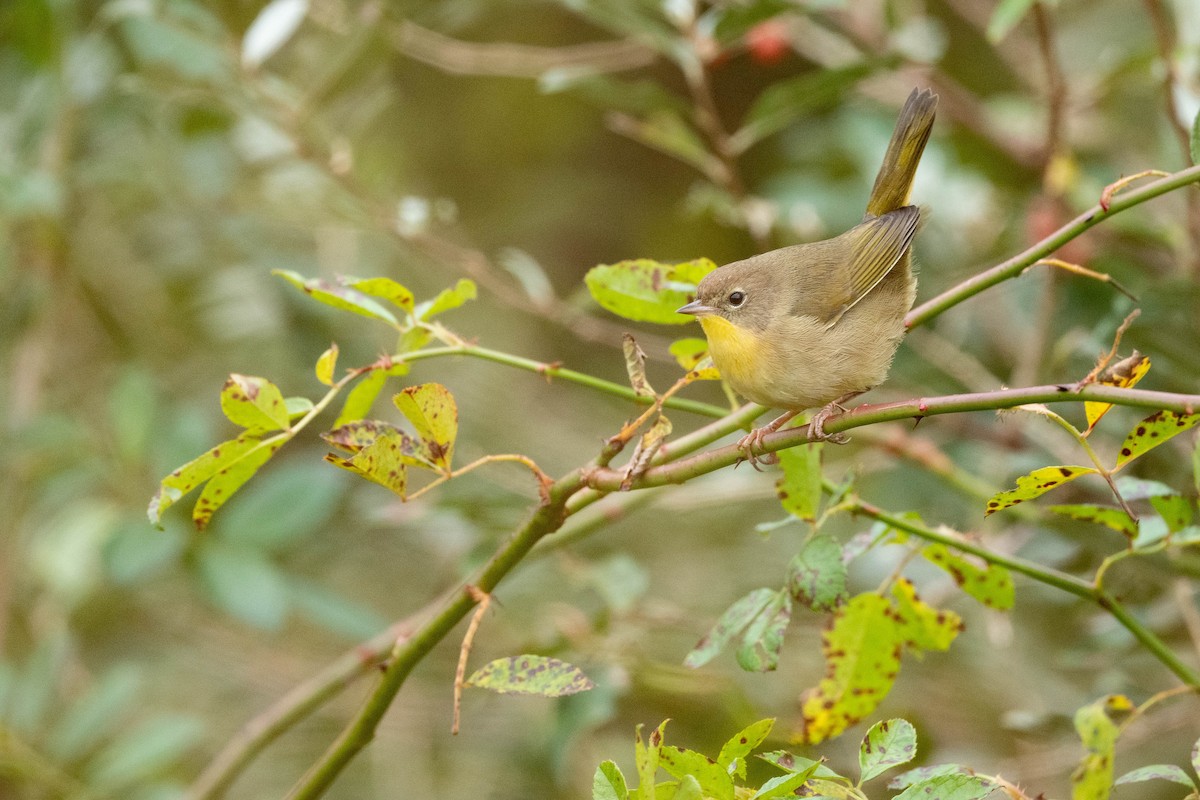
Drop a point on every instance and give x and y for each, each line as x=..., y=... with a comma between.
x=1125, y=374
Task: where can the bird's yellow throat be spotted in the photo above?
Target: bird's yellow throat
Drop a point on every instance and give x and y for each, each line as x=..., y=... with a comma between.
x=740, y=350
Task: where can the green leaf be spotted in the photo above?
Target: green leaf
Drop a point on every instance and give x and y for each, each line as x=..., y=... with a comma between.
x=433, y=413
x=742, y=744
x=925, y=774
x=1142, y=489
x=1108, y=516
x=1034, y=485
x=794, y=763
x=783, y=102
x=799, y=488
x=242, y=582
x=1005, y=17
x=1153, y=431
x=297, y=407
x=647, y=291
x=816, y=575
x=645, y=755
x=862, y=658
x=692, y=355
x=733, y=621
x=1176, y=511
x=326, y=365
x=920, y=625
x=949, y=787
x=1195, y=140
x=339, y=297
x=225, y=483
x=533, y=675
x=763, y=639
x=688, y=788
x=990, y=584
x=229, y=460
x=887, y=744
x=1093, y=777
x=608, y=783
x=385, y=289
x=253, y=403
x=383, y=461
x=1161, y=772
x=362, y=397
x=91, y=720
x=786, y=785
x=446, y=300
x=143, y=753
x=714, y=780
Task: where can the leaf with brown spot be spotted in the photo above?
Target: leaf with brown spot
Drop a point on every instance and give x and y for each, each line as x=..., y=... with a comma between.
x=224, y=456
x=531, y=675
x=692, y=354
x=1153, y=431
x=382, y=461
x=434, y=415
x=1125, y=374
x=446, y=300
x=736, y=749
x=732, y=622
x=1035, y=484
x=862, y=657
x=383, y=288
x=1108, y=516
x=886, y=744
x=990, y=584
x=714, y=780
x=229, y=479
x=254, y=403
x=920, y=625
x=646, y=755
x=339, y=297
x=354, y=436
x=1093, y=777
x=799, y=488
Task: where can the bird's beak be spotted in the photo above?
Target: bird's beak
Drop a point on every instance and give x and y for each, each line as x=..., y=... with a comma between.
x=696, y=309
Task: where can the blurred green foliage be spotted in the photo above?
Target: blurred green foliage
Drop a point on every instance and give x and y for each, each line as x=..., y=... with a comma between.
x=159, y=158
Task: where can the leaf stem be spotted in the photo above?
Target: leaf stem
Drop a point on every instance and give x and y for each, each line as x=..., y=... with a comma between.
x=555, y=371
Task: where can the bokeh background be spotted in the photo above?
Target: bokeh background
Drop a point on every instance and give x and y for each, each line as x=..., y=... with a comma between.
x=158, y=158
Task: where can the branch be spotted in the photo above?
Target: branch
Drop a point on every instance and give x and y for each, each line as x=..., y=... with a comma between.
x=1019, y=263
x=548, y=518
x=710, y=460
x=1050, y=577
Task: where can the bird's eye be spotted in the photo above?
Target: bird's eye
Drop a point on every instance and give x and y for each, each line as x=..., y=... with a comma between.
x=736, y=298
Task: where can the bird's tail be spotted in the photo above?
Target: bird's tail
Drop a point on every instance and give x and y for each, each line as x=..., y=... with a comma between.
x=894, y=182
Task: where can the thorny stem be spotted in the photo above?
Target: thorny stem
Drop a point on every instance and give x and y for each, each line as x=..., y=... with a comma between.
x=1020, y=262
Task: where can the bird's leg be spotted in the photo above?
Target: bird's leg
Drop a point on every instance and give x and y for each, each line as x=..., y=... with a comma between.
x=816, y=425
x=753, y=441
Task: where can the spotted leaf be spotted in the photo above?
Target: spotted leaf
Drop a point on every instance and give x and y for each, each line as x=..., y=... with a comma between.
x=887, y=744
x=254, y=403
x=715, y=782
x=1108, y=516
x=1153, y=431
x=382, y=461
x=1035, y=484
x=534, y=675
x=340, y=297
x=1125, y=374
x=990, y=584
x=434, y=415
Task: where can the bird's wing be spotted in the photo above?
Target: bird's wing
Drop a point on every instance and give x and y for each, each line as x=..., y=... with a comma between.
x=875, y=246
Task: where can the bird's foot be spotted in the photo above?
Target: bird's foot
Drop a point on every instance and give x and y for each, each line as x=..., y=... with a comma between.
x=753, y=441
x=816, y=425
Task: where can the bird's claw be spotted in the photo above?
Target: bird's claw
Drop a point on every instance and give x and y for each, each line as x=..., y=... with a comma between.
x=751, y=442
x=816, y=425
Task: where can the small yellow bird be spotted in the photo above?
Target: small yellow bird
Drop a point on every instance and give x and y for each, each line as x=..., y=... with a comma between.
x=814, y=325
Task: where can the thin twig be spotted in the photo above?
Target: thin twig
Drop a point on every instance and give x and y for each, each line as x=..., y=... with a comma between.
x=460, y=672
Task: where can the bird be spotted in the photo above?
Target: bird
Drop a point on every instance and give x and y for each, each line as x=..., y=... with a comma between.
x=815, y=325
